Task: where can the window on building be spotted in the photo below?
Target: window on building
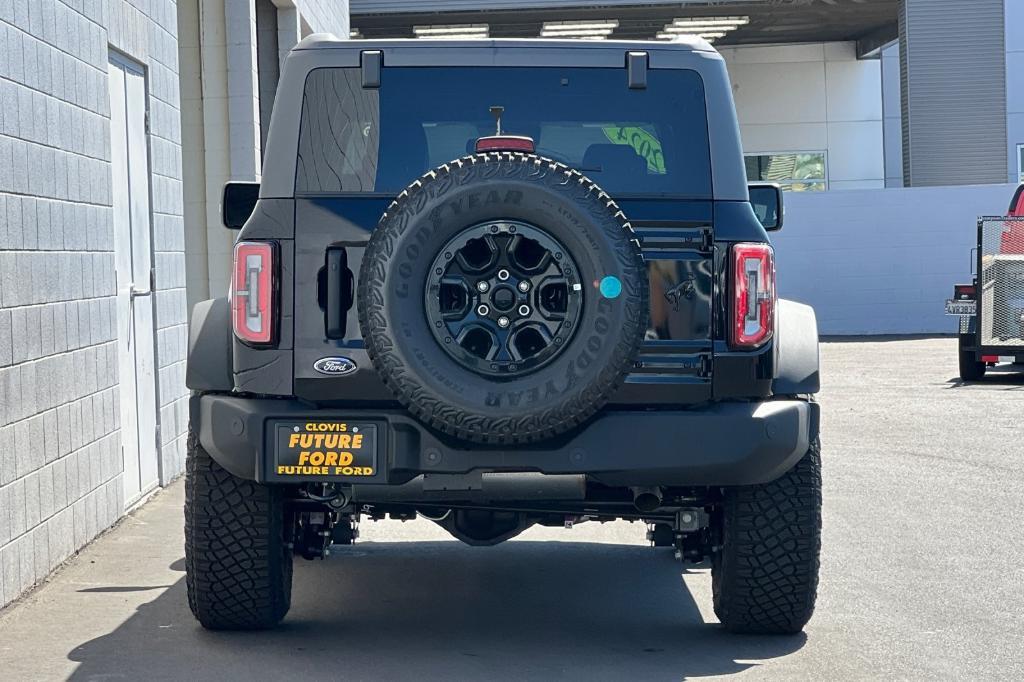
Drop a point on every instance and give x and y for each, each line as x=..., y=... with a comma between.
x=801, y=172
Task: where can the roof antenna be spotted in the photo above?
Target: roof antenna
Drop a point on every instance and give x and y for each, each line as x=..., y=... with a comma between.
x=496, y=112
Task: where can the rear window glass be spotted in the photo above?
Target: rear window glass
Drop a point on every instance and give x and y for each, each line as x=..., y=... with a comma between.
x=631, y=142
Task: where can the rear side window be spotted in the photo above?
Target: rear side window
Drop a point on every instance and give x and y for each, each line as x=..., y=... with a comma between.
x=650, y=142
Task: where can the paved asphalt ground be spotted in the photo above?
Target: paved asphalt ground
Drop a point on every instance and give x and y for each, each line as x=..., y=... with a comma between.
x=922, y=574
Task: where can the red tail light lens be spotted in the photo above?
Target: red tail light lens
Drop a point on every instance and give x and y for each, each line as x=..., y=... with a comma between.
x=252, y=295
x=753, y=300
x=963, y=291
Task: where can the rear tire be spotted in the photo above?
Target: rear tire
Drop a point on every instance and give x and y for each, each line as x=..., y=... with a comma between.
x=764, y=574
x=971, y=369
x=238, y=566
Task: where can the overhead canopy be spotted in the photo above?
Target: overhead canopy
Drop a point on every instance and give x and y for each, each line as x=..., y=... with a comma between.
x=872, y=23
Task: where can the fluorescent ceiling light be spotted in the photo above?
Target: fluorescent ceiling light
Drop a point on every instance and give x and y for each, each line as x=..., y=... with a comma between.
x=561, y=25
x=694, y=30
x=708, y=28
x=711, y=21
x=589, y=30
x=710, y=37
x=577, y=33
x=452, y=31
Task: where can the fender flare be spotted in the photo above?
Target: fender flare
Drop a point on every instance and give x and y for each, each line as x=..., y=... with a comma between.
x=797, y=356
x=209, y=366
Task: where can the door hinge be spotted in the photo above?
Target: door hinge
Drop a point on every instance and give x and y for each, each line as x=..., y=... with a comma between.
x=152, y=279
x=707, y=364
x=146, y=119
x=707, y=240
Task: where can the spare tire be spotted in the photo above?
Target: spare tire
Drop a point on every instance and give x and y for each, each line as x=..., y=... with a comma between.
x=503, y=298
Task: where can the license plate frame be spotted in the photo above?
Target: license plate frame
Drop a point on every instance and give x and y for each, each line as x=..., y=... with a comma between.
x=957, y=308
x=335, y=449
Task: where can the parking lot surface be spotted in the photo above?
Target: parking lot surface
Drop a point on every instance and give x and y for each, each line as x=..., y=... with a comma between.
x=922, y=572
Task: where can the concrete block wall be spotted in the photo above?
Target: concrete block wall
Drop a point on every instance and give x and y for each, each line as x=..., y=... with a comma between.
x=60, y=445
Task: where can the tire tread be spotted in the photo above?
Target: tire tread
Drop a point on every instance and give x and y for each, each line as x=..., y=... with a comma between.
x=237, y=564
x=765, y=572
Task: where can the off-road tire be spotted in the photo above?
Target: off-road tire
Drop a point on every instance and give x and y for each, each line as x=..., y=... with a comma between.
x=238, y=567
x=764, y=574
x=970, y=368
x=409, y=361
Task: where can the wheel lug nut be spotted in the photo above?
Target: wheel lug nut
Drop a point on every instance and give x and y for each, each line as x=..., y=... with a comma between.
x=482, y=286
x=524, y=310
x=502, y=274
x=482, y=310
x=503, y=321
x=524, y=286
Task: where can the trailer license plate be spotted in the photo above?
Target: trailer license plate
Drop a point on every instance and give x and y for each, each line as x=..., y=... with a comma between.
x=961, y=307
x=332, y=449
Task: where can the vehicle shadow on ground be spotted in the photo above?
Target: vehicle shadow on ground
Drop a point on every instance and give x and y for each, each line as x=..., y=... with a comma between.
x=1008, y=378
x=440, y=610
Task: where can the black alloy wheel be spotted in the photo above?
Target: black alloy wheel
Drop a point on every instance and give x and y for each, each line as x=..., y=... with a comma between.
x=503, y=298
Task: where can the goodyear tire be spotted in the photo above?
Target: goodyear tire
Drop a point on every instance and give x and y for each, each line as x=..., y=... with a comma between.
x=238, y=566
x=515, y=233
x=764, y=574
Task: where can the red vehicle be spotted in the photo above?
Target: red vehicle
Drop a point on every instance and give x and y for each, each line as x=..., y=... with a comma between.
x=1012, y=240
x=995, y=329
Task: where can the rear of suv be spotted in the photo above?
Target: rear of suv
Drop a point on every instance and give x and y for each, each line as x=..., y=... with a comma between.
x=498, y=284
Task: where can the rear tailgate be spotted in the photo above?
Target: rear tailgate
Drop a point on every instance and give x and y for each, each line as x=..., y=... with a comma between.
x=673, y=367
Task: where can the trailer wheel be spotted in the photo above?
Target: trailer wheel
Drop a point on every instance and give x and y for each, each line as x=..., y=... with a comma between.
x=971, y=369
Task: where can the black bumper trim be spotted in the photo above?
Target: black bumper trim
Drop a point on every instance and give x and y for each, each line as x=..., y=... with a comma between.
x=722, y=444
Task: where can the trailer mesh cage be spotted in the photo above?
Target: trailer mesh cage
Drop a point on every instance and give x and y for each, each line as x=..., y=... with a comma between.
x=1001, y=276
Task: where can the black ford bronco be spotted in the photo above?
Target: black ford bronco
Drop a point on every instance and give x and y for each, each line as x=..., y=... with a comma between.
x=498, y=284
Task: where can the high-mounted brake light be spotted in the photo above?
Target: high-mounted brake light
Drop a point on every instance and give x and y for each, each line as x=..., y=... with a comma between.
x=505, y=143
x=252, y=295
x=753, y=295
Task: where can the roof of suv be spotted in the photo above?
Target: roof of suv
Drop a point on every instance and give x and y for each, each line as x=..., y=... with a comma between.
x=684, y=43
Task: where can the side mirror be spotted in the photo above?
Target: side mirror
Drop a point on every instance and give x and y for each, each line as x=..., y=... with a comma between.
x=238, y=203
x=766, y=200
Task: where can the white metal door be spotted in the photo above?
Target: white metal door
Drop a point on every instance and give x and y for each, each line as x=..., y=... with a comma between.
x=133, y=261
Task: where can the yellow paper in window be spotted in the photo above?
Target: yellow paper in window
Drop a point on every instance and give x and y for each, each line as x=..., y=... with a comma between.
x=643, y=143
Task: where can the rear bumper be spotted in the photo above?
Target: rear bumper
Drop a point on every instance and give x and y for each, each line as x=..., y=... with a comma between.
x=722, y=444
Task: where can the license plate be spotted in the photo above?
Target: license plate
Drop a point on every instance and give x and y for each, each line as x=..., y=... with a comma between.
x=325, y=449
x=961, y=307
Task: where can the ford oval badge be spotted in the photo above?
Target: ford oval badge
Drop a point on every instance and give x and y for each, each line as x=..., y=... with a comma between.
x=335, y=366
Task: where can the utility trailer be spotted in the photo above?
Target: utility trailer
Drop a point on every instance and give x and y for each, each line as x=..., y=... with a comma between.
x=991, y=307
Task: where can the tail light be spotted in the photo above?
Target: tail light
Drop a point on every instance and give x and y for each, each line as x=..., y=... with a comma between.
x=963, y=292
x=252, y=292
x=753, y=295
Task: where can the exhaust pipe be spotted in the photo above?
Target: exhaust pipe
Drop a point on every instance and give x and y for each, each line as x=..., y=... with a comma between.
x=490, y=487
x=646, y=499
